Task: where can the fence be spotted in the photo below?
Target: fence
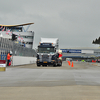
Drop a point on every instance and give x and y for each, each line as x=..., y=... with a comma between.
x=7, y=45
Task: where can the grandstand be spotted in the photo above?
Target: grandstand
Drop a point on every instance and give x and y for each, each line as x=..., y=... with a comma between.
x=22, y=33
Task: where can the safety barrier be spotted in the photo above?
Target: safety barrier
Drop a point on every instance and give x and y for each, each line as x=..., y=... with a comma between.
x=20, y=60
x=7, y=45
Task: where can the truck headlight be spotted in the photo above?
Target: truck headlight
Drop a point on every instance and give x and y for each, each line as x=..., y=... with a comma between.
x=38, y=59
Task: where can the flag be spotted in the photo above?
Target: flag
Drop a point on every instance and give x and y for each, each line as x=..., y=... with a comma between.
x=3, y=29
x=9, y=32
x=19, y=38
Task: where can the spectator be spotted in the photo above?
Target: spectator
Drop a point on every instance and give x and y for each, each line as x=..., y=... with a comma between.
x=23, y=43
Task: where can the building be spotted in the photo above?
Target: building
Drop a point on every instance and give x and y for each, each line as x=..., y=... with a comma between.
x=81, y=53
x=21, y=31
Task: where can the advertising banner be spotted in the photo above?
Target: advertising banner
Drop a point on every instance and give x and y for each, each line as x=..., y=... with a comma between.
x=70, y=51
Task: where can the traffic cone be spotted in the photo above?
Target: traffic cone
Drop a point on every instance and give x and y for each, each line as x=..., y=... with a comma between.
x=72, y=64
x=68, y=62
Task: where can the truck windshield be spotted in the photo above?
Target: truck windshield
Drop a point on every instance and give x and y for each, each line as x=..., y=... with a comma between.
x=45, y=50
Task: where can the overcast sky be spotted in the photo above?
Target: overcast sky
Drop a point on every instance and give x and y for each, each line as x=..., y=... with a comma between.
x=75, y=22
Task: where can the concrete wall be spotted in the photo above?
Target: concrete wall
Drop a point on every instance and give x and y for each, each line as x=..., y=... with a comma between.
x=19, y=60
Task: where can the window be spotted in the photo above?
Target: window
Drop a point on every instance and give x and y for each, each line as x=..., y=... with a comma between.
x=30, y=37
x=46, y=50
x=29, y=42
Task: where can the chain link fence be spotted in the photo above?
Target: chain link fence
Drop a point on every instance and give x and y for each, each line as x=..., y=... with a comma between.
x=7, y=45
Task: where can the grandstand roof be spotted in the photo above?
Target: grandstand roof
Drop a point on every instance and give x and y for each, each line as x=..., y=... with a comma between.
x=16, y=25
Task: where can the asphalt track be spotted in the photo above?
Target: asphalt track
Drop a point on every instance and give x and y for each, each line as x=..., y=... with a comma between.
x=29, y=82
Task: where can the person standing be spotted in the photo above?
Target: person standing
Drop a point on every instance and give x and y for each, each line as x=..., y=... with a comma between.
x=8, y=58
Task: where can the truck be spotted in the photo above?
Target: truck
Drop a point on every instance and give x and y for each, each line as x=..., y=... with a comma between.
x=48, y=52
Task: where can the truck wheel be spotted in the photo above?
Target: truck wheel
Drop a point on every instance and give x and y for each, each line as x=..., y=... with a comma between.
x=38, y=65
x=43, y=65
x=61, y=64
x=55, y=65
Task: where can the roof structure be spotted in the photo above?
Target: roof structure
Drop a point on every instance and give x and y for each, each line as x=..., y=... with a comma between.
x=16, y=25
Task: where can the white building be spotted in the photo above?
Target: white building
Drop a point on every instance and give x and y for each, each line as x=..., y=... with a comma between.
x=23, y=35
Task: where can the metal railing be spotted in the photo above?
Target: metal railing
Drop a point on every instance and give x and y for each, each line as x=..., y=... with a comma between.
x=7, y=45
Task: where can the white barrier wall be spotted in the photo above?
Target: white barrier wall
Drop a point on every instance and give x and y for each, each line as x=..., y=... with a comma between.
x=88, y=51
x=19, y=60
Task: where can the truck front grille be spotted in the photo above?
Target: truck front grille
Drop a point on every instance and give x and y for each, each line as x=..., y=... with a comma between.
x=45, y=57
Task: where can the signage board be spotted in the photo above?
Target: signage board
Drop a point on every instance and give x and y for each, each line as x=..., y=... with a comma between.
x=2, y=65
x=46, y=44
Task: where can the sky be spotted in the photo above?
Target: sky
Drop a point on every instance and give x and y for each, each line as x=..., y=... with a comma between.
x=76, y=23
